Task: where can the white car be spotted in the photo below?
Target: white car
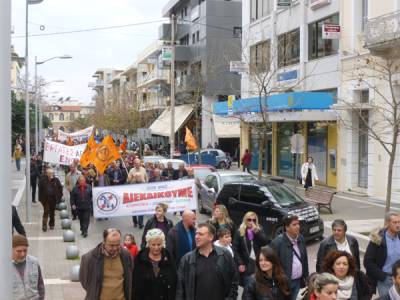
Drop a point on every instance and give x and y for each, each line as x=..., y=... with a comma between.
x=175, y=163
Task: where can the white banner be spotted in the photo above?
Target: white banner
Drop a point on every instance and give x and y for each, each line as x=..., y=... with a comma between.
x=141, y=199
x=57, y=153
x=77, y=136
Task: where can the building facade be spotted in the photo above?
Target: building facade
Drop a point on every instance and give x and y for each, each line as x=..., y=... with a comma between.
x=17, y=85
x=62, y=117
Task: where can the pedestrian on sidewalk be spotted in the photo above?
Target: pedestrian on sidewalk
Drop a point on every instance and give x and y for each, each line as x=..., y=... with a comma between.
x=394, y=291
x=16, y=222
x=247, y=242
x=159, y=220
x=17, y=156
x=50, y=193
x=290, y=247
x=106, y=271
x=154, y=275
x=180, y=239
x=27, y=275
x=81, y=201
x=70, y=182
x=382, y=252
x=208, y=272
x=269, y=281
x=246, y=161
x=308, y=173
x=339, y=240
x=34, y=177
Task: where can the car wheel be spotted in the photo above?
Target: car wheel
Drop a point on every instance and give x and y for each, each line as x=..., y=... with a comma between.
x=278, y=231
x=202, y=210
x=222, y=165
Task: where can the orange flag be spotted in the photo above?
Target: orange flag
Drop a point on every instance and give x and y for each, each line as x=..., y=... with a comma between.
x=190, y=140
x=123, y=145
x=104, y=154
x=90, y=147
x=69, y=141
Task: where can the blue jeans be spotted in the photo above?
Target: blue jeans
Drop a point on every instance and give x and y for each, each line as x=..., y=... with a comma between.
x=137, y=220
x=295, y=285
x=18, y=164
x=384, y=286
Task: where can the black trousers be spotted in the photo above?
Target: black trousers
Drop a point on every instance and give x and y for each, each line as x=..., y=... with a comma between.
x=48, y=212
x=84, y=219
x=137, y=220
x=33, y=187
x=73, y=211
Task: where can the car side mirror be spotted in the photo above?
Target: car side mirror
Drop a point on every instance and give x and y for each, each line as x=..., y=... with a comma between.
x=211, y=190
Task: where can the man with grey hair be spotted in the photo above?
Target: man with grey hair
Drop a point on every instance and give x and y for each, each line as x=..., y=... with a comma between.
x=339, y=240
x=137, y=174
x=382, y=252
x=50, y=193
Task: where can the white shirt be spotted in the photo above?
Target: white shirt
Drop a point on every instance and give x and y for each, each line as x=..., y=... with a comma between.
x=343, y=246
x=229, y=248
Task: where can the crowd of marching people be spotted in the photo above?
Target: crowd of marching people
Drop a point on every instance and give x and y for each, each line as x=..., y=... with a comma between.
x=209, y=260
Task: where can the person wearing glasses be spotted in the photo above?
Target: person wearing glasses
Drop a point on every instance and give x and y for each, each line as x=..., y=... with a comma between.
x=106, y=271
x=248, y=241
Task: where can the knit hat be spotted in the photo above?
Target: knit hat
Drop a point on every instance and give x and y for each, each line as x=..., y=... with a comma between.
x=153, y=234
x=19, y=240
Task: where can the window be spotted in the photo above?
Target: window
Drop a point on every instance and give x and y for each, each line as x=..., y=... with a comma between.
x=61, y=117
x=109, y=77
x=364, y=16
x=185, y=11
x=252, y=194
x=51, y=117
x=260, y=57
x=319, y=47
x=289, y=48
x=184, y=40
x=72, y=116
x=229, y=190
x=364, y=96
x=237, y=32
x=198, y=35
x=200, y=1
x=259, y=9
x=193, y=38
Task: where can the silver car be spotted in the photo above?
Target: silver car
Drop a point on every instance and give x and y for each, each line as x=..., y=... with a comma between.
x=213, y=184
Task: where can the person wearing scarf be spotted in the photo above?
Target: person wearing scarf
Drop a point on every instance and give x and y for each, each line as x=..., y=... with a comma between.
x=353, y=283
x=394, y=291
x=81, y=200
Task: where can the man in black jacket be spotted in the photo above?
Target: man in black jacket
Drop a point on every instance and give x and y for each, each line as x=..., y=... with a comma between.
x=339, y=240
x=382, y=252
x=291, y=249
x=16, y=222
x=208, y=272
x=394, y=291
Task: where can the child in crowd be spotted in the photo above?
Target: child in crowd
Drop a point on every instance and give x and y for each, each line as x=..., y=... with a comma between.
x=224, y=240
x=130, y=244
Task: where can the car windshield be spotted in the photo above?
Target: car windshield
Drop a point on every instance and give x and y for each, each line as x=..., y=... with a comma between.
x=282, y=195
x=201, y=173
x=230, y=178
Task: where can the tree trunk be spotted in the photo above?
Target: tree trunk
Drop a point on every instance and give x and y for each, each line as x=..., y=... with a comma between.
x=390, y=175
x=260, y=155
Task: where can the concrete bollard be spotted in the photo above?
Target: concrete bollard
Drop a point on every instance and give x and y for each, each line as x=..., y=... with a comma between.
x=69, y=236
x=74, y=273
x=72, y=252
x=62, y=206
x=66, y=224
x=64, y=214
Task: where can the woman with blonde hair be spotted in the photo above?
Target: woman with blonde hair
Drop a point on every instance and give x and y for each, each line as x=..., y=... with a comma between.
x=248, y=241
x=221, y=219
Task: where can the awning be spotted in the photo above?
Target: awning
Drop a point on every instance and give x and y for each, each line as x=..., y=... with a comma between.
x=226, y=127
x=162, y=125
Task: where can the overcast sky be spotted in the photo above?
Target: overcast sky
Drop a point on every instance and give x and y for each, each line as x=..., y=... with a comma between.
x=115, y=48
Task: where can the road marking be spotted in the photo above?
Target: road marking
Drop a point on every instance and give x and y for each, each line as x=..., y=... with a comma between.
x=45, y=238
x=56, y=281
x=369, y=203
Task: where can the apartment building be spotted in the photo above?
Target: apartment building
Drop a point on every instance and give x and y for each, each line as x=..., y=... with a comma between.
x=16, y=81
x=370, y=39
x=124, y=89
x=207, y=39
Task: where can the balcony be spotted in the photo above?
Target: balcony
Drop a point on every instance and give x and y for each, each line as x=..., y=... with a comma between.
x=154, y=77
x=188, y=84
x=382, y=34
x=182, y=53
x=154, y=101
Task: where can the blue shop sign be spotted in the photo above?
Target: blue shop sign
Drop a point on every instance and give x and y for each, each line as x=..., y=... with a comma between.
x=284, y=76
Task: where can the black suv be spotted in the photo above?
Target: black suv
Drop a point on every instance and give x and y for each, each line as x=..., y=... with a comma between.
x=271, y=201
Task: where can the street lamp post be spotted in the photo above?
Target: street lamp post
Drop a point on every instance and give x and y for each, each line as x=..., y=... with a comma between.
x=27, y=127
x=38, y=123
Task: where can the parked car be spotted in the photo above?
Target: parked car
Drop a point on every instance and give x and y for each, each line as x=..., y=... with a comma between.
x=202, y=171
x=175, y=162
x=271, y=201
x=152, y=158
x=213, y=184
x=222, y=162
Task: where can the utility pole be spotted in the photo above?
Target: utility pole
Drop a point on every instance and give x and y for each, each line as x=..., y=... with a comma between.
x=5, y=133
x=172, y=79
x=36, y=110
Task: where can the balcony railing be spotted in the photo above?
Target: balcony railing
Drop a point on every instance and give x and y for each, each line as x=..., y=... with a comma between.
x=156, y=75
x=382, y=30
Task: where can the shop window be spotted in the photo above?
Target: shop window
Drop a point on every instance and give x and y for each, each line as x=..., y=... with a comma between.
x=260, y=57
x=317, y=147
x=289, y=164
x=61, y=117
x=289, y=48
x=259, y=9
x=319, y=47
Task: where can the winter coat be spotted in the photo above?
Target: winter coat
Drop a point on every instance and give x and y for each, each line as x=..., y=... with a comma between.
x=250, y=291
x=82, y=201
x=91, y=272
x=16, y=222
x=329, y=244
x=146, y=286
x=246, y=159
x=121, y=176
x=284, y=250
x=230, y=226
x=225, y=268
x=242, y=247
x=173, y=244
x=375, y=256
x=55, y=186
x=304, y=171
x=152, y=223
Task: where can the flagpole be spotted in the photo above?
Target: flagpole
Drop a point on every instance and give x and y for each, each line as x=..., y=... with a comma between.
x=187, y=149
x=123, y=163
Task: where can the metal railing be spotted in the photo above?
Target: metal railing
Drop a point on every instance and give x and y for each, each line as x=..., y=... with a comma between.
x=382, y=29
